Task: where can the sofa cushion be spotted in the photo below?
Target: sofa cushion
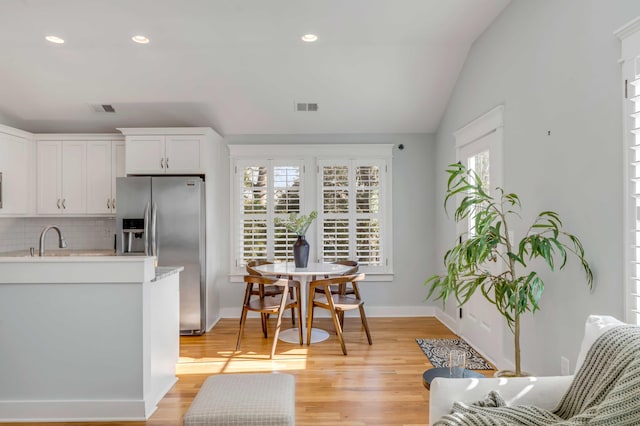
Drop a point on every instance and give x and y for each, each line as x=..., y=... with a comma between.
x=593, y=328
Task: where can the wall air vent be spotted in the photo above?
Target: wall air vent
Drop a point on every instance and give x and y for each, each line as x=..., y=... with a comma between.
x=103, y=108
x=304, y=106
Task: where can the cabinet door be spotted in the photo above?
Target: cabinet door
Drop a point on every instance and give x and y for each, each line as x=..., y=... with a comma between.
x=99, y=177
x=182, y=154
x=49, y=177
x=74, y=186
x=144, y=154
x=118, y=168
x=14, y=166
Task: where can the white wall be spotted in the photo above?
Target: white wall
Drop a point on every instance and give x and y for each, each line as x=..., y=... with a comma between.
x=553, y=64
x=413, y=221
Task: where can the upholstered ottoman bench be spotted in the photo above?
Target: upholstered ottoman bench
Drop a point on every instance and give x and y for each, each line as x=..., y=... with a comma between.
x=244, y=399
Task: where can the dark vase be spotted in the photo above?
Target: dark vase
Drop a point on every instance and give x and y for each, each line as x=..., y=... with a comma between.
x=301, y=252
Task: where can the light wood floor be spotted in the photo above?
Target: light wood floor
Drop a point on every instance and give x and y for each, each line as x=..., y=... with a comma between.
x=373, y=385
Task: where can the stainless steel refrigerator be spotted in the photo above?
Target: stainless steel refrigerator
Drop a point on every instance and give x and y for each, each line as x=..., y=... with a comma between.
x=164, y=216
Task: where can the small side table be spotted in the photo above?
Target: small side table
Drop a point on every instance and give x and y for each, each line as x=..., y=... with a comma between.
x=432, y=373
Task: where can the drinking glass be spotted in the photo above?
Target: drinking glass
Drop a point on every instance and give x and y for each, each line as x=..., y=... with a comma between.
x=457, y=363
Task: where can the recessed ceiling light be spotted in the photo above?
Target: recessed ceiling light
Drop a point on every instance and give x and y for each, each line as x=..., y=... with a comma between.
x=140, y=39
x=54, y=39
x=309, y=38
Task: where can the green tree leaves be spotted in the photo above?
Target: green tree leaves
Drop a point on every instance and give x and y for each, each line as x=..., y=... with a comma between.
x=487, y=260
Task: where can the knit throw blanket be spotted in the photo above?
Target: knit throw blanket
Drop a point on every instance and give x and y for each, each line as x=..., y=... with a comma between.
x=604, y=392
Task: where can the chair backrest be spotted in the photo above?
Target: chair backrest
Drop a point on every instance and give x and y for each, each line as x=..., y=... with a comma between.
x=260, y=280
x=253, y=263
x=342, y=279
x=354, y=266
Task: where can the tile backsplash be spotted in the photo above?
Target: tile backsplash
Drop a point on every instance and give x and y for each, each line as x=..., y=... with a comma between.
x=80, y=232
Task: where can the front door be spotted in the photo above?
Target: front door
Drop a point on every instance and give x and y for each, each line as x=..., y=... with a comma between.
x=480, y=324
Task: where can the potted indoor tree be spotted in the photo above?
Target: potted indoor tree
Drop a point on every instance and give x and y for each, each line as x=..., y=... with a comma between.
x=510, y=283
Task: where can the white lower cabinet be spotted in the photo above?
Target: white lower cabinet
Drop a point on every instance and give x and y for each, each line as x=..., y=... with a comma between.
x=15, y=167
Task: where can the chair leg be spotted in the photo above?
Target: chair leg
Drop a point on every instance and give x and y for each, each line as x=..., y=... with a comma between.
x=247, y=296
x=363, y=317
x=243, y=319
x=283, y=304
x=264, y=318
x=310, y=314
x=299, y=306
x=336, y=324
x=334, y=317
x=293, y=309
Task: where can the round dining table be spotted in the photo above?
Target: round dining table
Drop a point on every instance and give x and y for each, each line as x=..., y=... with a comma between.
x=304, y=275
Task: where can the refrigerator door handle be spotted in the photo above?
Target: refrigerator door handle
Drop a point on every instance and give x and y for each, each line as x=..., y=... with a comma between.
x=154, y=225
x=146, y=229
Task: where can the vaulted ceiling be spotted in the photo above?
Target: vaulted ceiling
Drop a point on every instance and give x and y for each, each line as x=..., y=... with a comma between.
x=239, y=66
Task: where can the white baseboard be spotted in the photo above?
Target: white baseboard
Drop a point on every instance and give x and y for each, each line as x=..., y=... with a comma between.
x=447, y=320
x=72, y=411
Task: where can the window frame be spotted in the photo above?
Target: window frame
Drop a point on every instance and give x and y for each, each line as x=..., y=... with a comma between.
x=310, y=155
x=352, y=216
x=270, y=211
x=629, y=35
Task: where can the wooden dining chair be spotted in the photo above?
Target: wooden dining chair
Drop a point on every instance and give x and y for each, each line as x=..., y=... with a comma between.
x=267, y=290
x=337, y=304
x=343, y=289
x=275, y=304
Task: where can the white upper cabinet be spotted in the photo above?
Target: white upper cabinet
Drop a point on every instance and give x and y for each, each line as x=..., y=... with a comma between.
x=144, y=154
x=105, y=163
x=16, y=186
x=151, y=151
x=77, y=176
x=61, y=182
x=182, y=154
x=117, y=169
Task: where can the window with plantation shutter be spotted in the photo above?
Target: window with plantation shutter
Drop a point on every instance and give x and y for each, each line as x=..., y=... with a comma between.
x=630, y=37
x=348, y=185
x=351, y=215
x=268, y=189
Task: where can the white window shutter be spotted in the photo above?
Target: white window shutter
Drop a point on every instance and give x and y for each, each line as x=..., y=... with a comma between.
x=630, y=38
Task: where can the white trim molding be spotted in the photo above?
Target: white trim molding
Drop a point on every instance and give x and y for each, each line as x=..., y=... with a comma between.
x=480, y=127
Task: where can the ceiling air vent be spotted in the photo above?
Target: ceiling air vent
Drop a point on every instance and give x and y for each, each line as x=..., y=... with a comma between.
x=304, y=106
x=103, y=108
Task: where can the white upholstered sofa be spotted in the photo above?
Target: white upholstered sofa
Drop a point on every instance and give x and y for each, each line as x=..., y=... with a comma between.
x=543, y=392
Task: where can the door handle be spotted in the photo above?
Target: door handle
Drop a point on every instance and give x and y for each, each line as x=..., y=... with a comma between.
x=63, y=201
x=108, y=205
x=113, y=203
x=162, y=163
x=154, y=224
x=146, y=229
x=58, y=203
x=166, y=162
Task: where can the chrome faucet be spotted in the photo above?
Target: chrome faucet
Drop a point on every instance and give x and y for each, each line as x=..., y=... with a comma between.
x=61, y=241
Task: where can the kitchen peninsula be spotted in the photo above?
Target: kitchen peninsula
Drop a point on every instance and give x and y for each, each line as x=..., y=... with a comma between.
x=86, y=338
